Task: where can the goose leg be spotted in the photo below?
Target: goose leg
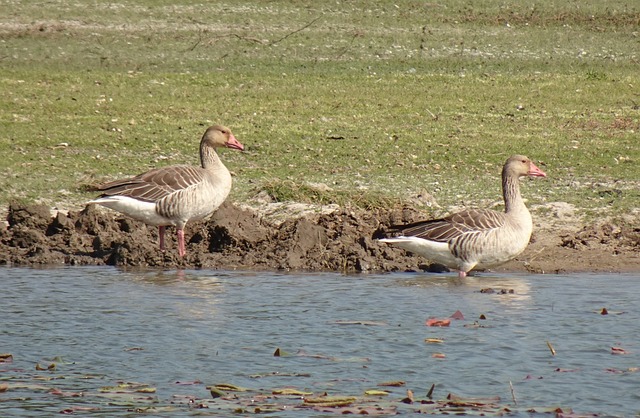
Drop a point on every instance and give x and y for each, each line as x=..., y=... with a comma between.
x=181, y=248
x=161, y=237
x=462, y=274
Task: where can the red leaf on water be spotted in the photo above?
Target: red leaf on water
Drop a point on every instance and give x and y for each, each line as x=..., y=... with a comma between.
x=457, y=315
x=438, y=322
x=618, y=350
x=68, y=394
x=74, y=409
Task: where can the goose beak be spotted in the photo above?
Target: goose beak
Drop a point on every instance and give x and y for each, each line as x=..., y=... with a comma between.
x=534, y=171
x=233, y=143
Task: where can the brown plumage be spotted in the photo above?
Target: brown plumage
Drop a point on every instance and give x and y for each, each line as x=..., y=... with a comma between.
x=177, y=194
x=475, y=238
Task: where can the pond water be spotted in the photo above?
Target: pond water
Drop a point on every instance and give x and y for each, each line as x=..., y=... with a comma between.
x=172, y=334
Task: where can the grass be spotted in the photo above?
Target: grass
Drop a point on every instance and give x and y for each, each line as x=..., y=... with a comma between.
x=377, y=100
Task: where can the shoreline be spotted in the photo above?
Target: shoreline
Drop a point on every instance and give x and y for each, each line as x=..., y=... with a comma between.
x=293, y=237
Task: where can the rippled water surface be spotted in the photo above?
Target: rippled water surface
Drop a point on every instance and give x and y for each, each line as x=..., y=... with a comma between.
x=177, y=332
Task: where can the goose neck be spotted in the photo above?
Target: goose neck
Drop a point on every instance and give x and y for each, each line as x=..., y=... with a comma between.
x=511, y=193
x=209, y=157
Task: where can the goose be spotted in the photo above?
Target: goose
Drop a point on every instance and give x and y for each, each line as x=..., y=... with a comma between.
x=479, y=238
x=175, y=195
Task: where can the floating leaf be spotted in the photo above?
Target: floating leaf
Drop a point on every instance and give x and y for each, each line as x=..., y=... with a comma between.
x=430, y=393
x=228, y=387
x=6, y=358
x=278, y=374
x=457, y=315
x=409, y=399
x=433, y=340
x=217, y=393
x=368, y=323
x=461, y=400
x=128, y=388
x=358, y=410
x=50, y=367
x=330, y=400
x=619, y=371
x=58, y=392
x=605, y=311
x=4, y=387
x=280, y=353
x=290, y=392
x=195, y=382
x=618, y=350
x=146, y=390
x=553, y=351
x=75, y=409
x=394, y=383
x=436, y=322
x=376, y=392
x=475, y=324
x=438, y=355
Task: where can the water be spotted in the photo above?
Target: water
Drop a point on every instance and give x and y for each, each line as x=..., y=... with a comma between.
x=102, y=326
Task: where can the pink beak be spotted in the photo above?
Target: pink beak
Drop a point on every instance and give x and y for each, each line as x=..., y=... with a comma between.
x=534, y=171
x=234, y=143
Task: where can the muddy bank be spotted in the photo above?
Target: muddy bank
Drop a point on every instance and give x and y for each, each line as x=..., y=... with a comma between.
x=243, y=238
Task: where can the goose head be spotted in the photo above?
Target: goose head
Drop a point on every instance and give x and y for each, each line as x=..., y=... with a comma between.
x=519, y=166
x=218, y=136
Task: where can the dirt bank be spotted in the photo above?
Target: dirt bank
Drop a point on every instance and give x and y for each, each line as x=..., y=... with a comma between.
x=246, y=238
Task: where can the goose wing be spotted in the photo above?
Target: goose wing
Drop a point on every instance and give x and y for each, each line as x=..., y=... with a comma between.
x=155, y=184
x=452, y=226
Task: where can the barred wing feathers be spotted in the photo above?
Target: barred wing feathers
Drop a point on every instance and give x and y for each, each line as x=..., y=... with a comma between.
x=453, y=226
x=154, y=185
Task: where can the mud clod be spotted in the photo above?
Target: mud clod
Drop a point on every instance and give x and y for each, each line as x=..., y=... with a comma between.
x=241, y=238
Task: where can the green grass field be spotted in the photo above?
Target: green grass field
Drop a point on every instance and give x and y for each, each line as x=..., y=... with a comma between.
x=377, y=100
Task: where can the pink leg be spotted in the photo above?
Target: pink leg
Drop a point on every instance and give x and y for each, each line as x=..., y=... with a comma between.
x=161, y=237
x=462, y=274
x=181, y=249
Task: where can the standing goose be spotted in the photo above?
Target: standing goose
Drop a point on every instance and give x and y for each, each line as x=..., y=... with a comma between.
x=475, y=238
x=176, y=194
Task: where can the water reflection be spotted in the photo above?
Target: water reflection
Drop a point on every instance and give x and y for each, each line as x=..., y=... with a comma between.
x=194, y=296
x=511, y=290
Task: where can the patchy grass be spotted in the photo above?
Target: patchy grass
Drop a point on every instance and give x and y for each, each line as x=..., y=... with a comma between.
x=388, y=99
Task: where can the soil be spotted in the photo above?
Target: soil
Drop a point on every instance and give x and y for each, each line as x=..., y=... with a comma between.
x=291, y=238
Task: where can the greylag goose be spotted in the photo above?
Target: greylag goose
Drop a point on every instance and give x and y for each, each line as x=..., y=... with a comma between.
x=176, y=194
x=475, y=238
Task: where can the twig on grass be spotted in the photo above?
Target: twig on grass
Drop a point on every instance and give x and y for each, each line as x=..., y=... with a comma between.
x=295, y=31
x=249, y=38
